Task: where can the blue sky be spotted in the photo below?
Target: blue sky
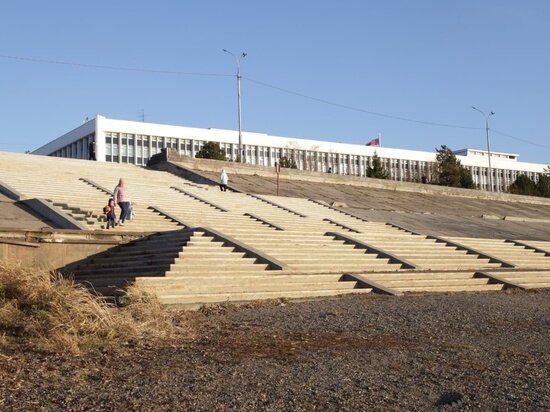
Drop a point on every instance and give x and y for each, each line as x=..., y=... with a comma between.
x=315, y=69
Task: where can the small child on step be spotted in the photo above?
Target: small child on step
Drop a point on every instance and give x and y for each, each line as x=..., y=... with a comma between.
x=110, y=213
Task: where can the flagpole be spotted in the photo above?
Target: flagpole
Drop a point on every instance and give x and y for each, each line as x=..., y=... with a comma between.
x=380, y=139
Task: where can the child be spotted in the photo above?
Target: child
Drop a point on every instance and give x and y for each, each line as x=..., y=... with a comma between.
x=109, y=211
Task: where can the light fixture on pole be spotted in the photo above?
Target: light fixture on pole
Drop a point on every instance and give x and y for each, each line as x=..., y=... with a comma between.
x=486, y=116
x=238, y=61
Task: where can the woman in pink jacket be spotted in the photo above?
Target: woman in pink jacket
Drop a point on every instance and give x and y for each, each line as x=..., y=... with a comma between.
x=123, y=200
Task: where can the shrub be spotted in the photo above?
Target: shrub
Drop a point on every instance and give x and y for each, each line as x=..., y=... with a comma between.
x=450, y=171
x=377, y=169
x=211, y=150
x=288, y=163
x=41, y=310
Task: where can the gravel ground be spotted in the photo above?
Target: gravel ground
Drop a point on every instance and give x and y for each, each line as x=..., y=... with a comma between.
x=355, y=353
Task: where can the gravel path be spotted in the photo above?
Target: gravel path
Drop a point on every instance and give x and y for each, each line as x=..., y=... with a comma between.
x=355, y=353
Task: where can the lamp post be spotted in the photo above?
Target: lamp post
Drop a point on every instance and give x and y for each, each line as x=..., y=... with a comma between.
x=486, y=116
x=238, y=61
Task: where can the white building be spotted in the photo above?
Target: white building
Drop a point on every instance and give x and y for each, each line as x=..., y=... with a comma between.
x=135, y=142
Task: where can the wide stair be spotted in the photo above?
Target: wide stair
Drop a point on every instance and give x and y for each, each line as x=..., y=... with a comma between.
x=151, y=256
x=466, y=281
x=208, y=271
x=517, y=255
x=194, y=291
x=525, y=279
x=302, y=245
x=421, y=251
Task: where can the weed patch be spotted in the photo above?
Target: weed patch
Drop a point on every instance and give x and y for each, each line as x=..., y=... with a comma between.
x=41, y=310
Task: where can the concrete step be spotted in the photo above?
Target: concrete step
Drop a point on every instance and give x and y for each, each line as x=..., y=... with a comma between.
x=434, y=282
x=419, y=275
x=341, y=267
x=445, y=260
x=531, y=265
x=459, y=288
x=130, y=253
x=462, y=266
x=523, y=278
x=244, y=279
x=127, y=263
x=209, y=265
x=126, y=271
x=223, y=272
x=535, y=285
x=182, y=288
x=187, y=255
x=208, y=268
x=323, y=257
x=429, y=253
x=302, y=249
x=200, y=299
x=206, y=248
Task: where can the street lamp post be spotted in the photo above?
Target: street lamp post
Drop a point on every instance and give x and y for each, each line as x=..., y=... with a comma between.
x=238, y=61
x=486, y=116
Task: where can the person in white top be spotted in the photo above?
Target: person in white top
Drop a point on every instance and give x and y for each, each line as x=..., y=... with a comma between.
x=223, y=181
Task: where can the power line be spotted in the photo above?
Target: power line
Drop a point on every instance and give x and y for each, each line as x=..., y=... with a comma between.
x=389, y=116
x=324, y=101
x=344, y=106
x=520, y=139
x=119, y=68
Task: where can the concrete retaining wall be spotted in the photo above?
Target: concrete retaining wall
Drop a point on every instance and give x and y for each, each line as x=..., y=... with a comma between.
x=208, y=165
x=53, y=249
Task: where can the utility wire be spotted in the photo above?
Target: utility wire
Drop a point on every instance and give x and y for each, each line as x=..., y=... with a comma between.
x=324, y=101
x=93, y=66
x=520, y=139
x=389, y=116
x=129, y=69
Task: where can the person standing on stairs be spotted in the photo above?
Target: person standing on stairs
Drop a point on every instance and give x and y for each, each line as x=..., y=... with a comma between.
x=223, y=181
x=110, y=213
x=122, y=199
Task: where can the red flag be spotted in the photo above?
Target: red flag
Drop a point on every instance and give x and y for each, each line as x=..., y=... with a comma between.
x=374, y=142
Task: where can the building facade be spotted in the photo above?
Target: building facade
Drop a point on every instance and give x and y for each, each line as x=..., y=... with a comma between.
x=133, y=142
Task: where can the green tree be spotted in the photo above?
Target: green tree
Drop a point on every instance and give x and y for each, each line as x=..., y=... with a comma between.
x=288, y=163
x=523, y=185
x=542, y=187
x=377, y=170
x=211, y=150
x=450, y=171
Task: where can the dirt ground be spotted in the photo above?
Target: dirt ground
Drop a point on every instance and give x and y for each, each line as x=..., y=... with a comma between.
x=464, y=351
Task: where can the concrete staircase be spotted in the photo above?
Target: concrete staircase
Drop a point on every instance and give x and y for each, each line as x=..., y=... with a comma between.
x=539, y=245
x=423, y=252
x=464, y=281
x=195, y=291
x=64, y=182
x=519, y=256
x=525, y=279
x=307, y=238
x=85, y=216
x=150, y=256
x=298, y=242
x=206, y=271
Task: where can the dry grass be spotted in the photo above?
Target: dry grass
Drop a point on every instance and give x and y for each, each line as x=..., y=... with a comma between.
x=41, y=310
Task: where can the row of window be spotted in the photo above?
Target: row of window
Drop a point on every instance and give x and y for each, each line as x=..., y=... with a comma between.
x=137, y=149
x=79, y=149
